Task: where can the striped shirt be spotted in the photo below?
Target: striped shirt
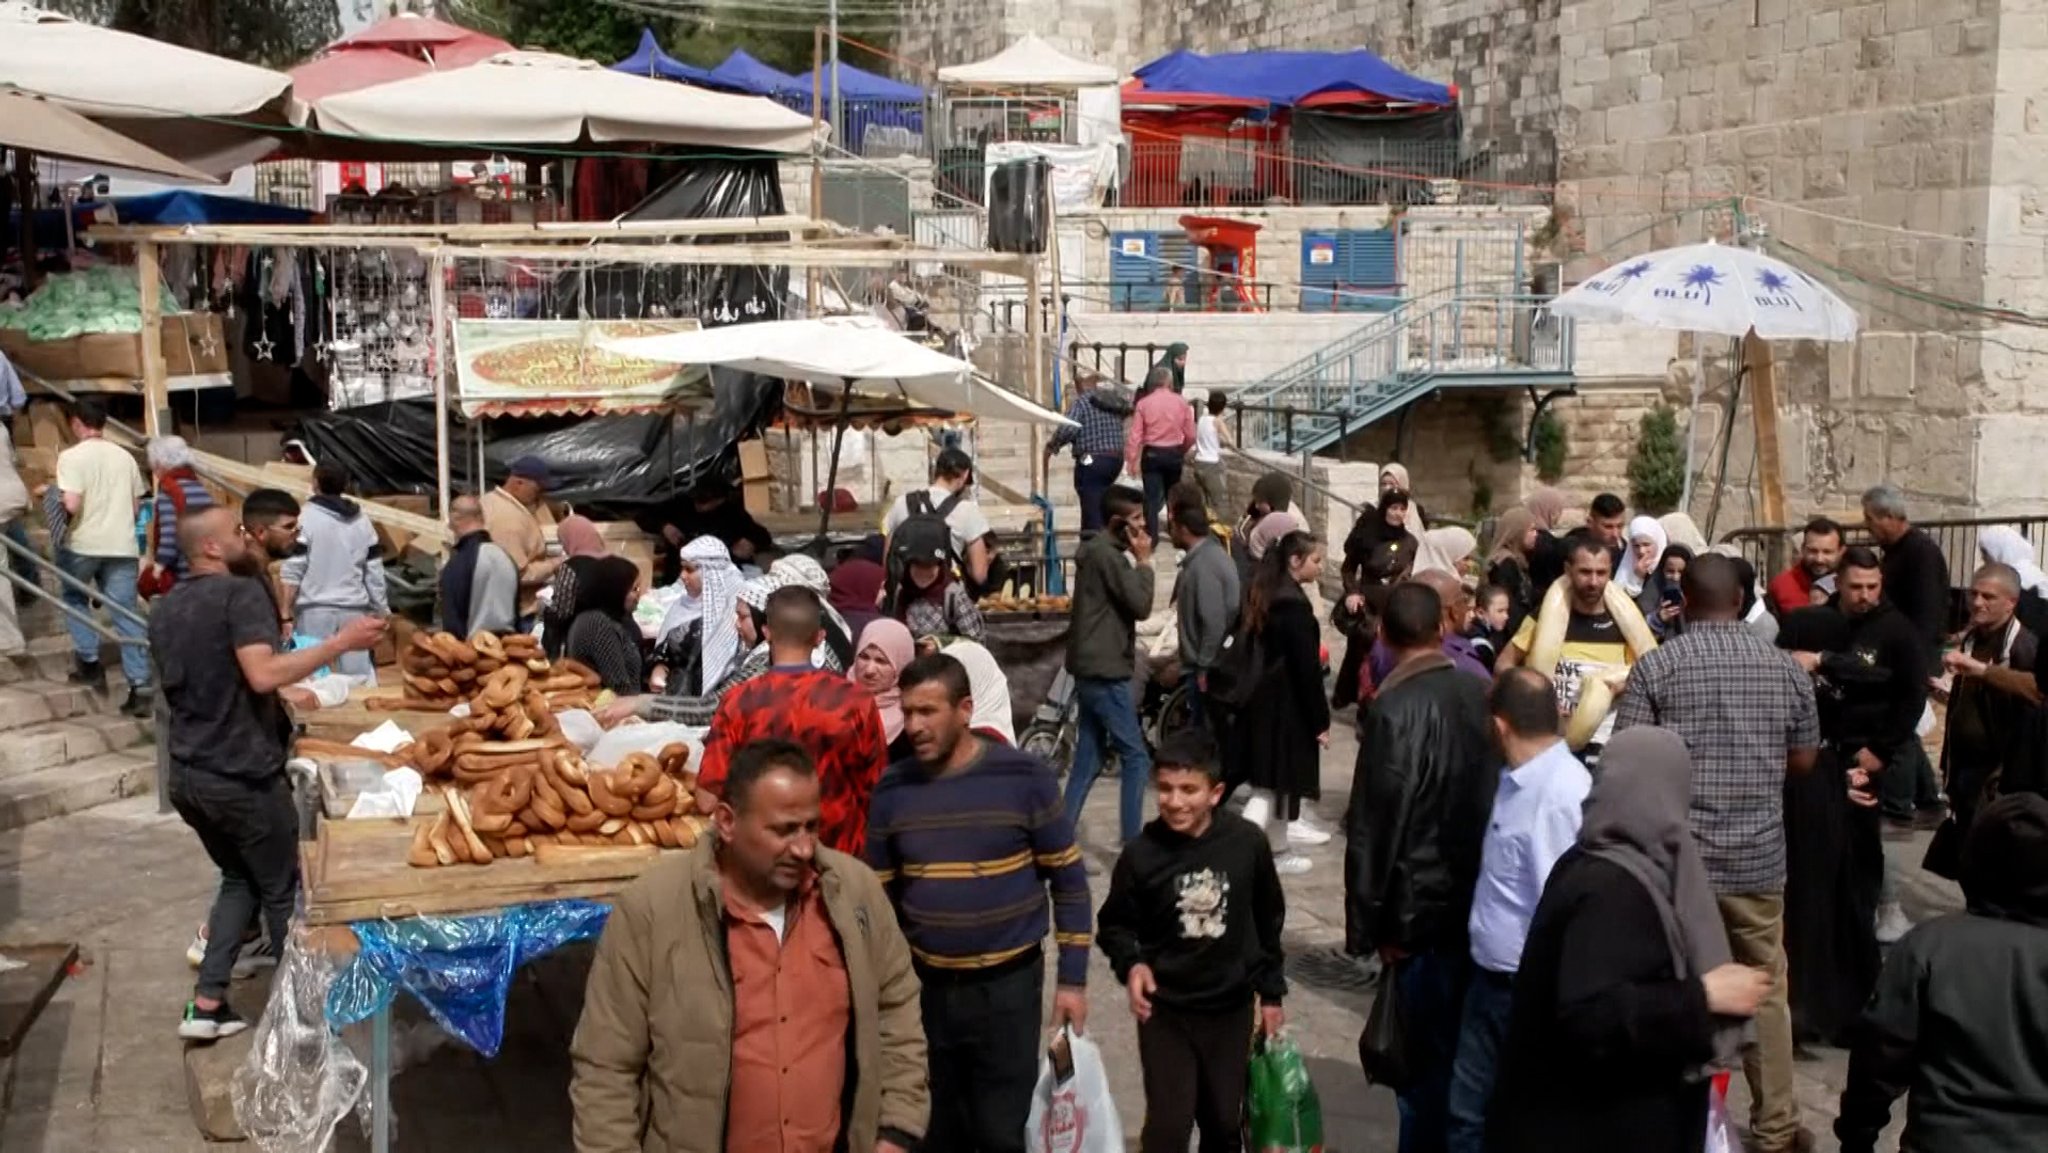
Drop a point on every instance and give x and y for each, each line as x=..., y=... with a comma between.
x=968, y=859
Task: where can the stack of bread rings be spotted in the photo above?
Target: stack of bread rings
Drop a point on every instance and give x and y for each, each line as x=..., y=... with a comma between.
x=539, y=791
x=442, y=670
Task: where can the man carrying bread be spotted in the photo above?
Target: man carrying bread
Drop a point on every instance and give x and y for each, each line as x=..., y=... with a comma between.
x=214, y=640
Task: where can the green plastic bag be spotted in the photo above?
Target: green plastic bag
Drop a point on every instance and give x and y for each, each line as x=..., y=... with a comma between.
x=1286, y=1116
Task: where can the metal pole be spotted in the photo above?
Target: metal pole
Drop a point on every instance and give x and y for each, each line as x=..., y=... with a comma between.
x=832, y=477
x=437, y=305
x=811, y=275
x=838, y=121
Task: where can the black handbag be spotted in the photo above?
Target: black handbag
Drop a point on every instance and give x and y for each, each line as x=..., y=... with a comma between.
x=1945, y=851
x=1383, y=1046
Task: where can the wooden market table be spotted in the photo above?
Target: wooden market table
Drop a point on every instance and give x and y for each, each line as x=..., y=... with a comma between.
x=355, y=872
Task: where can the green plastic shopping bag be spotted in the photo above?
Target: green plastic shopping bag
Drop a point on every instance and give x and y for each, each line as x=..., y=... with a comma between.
x=1286, y=1116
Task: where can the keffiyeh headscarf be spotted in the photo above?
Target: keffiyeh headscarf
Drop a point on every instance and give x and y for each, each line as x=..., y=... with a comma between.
x=805, y=572
x=714, y=606
x=2003, y=545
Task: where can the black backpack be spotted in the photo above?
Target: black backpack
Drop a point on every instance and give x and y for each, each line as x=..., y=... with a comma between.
x=924, y=534
x=1240, y=668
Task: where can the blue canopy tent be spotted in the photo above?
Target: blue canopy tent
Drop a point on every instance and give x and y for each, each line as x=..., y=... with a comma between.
x=180, y=206
x=740, y=72
x=865, y=100
x=1285, y=80
x=650, y=60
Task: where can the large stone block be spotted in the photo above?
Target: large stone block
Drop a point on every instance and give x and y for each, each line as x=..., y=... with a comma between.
x=1936, y=387
x=2008, y=463
x=1932, y=456
x=1885, y=368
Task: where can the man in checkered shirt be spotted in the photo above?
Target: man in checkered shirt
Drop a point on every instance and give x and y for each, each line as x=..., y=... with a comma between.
x=1747, y=714
x=1097, y=438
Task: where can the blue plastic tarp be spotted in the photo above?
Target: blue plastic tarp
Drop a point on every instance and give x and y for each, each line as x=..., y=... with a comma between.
x=650, y=60
x=743, y=73
x=460, y=968
x=854, y=84
x=1285, y=79
x=179, y=206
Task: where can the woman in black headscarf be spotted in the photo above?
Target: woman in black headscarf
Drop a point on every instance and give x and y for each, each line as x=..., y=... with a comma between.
x=1627, y=999
x=1378, y=552
x=601, y=631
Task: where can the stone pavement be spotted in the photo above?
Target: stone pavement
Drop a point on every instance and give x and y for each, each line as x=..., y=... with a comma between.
x=102, y=1070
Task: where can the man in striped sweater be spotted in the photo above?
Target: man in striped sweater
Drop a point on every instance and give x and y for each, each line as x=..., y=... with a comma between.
x=969, y=836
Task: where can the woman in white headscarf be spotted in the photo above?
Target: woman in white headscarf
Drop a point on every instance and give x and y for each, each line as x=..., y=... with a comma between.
x=990, y=688
x=1646, y=545
x=2002, y=545
x=697, y=641
x=1444, y=550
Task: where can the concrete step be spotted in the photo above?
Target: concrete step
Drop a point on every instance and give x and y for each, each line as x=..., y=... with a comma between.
x=72, y=788
x=30, y=702
x=53, y=743
x=49, y=659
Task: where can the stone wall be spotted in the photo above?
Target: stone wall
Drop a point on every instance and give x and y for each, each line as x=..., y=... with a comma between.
x=1882, y=138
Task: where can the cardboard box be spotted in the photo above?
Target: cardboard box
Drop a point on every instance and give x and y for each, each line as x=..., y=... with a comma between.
x=192, y=344
x=48, y=427
x=396, y=540
x=628, y=540
x=754, y=461
x=759, y=495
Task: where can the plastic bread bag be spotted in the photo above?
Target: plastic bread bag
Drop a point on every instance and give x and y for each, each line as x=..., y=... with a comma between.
x=299, y=1079
x=1071, y=1107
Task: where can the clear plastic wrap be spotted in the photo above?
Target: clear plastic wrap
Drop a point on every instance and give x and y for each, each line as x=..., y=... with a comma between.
x=299, y=1079
x=460, y=968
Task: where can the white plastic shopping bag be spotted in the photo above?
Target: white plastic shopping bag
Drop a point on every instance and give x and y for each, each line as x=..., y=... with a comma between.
x=1721, y=1136
x=1071, y=1109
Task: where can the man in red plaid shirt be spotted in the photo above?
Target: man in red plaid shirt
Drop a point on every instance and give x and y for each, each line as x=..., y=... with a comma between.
x=833, y=719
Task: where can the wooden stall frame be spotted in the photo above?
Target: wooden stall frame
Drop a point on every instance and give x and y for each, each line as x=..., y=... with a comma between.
x=810, y=243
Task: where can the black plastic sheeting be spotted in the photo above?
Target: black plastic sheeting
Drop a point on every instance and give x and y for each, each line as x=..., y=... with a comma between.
x=611, y=465
x=616, y=467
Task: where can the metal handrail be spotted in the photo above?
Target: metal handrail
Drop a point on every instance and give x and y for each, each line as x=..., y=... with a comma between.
x=72, y=582
x=83, y=618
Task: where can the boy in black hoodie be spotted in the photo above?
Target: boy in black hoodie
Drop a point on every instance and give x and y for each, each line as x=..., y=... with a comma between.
x=1192, y=928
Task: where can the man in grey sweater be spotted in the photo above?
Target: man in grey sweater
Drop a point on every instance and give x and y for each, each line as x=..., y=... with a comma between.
x=1205, y=599
x=340, y=575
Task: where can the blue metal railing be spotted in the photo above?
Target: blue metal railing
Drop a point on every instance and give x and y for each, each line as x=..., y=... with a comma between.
x=1428, y=343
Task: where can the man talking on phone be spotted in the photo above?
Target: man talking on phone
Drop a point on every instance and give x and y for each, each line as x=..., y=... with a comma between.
x=1113, y=586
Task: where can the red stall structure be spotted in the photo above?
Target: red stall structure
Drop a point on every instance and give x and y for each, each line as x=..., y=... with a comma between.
x=1241, y=129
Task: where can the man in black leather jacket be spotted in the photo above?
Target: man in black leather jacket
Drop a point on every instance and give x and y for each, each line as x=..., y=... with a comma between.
x=1420, y=800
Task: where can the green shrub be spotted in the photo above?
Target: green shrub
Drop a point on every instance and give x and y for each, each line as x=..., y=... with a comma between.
x=1552, y=447
x=1656, y=470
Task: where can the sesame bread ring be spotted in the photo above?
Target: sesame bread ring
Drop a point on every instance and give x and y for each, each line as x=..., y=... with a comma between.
x=487, y=645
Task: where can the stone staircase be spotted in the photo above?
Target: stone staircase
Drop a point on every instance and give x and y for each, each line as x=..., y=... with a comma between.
x=64, y=748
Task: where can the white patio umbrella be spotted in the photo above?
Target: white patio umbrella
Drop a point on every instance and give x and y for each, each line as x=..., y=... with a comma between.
x=517, y=98
x=839, y=350
x=846, y=352
x=204, y=110
x=1718, y=289
x=1715, y=288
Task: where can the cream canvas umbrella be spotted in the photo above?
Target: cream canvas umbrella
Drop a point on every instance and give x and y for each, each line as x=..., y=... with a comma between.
x=34, y=124
x=1029, y=63
x=518, y=98
x=209, y=112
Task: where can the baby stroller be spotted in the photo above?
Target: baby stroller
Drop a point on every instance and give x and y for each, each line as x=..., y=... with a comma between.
x=1056, y=726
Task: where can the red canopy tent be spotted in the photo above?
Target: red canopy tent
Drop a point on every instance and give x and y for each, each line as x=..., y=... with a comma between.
x=397, y=48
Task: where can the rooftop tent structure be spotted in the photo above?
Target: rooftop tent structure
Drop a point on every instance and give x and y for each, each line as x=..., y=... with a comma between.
x=537, y=98
x=1029, y=63
x=865, y=101
x=1243, y=127
x=1282, y=80
x=650, y=60
x=742, y=73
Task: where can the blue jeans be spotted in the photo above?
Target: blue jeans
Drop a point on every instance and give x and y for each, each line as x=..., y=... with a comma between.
x=1109, y=716
x=1091, y=480
x=1488, y=1000
x=114, y=577
x=1432, y=990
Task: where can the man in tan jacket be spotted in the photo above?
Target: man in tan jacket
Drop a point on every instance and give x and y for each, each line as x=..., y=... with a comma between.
x=755, y=994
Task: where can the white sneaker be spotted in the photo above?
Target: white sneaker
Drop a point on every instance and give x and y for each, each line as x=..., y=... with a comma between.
x=1292, y=865
x=1302, y=831
x=1258, y=808
x=1892, y=924
x=195, y=953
